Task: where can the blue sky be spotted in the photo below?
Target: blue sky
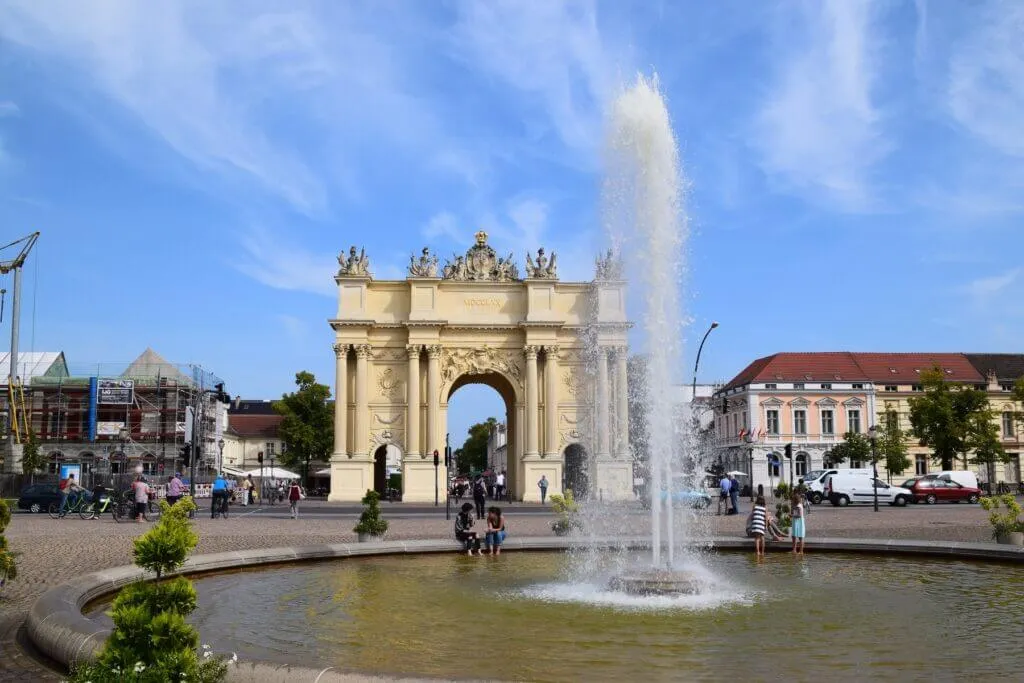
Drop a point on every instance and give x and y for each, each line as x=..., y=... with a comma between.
x=855, y=170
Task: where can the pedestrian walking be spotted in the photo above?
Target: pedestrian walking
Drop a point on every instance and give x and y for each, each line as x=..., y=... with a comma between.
x=295, y=494
x=758, y=523
x=723, y=494
x=499, y=486
x=480, y=496
x=175, y=489
x=797, y=514
x=543, y=485
x=734, y=494
x=141, y=490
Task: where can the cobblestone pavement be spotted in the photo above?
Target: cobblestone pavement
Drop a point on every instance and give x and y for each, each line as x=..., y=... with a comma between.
x=51, y=551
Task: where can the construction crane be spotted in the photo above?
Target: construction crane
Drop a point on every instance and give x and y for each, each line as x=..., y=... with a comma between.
x=7, y=266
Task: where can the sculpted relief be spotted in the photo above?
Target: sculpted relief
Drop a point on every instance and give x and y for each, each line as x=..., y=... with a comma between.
x=480, y=361
x=389, y=384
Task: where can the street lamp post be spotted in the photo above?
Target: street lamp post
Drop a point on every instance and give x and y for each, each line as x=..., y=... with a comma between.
x=220, y=455
x=693, y=388
x=873, y=435
x=124, y=436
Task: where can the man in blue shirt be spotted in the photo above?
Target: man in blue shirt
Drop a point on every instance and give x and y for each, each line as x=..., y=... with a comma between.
x=723, y=498
x=220, y=496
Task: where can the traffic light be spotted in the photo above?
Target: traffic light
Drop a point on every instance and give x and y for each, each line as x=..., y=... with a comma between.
x=789, y=451
x=222, y=395
x=437, y=458
x=186, y=454
x=259, y=457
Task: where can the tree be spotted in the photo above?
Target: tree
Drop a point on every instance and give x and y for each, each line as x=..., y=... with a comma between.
x=855, y=448
x=949, y=417
x=891, y=444
x=308, y=425
x=473, y=453
x=8, y=568
x=32, y=459
x=984, y=440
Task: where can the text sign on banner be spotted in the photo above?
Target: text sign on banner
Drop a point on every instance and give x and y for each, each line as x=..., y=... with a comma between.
x=115, y=391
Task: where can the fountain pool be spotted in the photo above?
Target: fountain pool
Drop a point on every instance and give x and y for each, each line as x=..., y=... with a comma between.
x=516, y=617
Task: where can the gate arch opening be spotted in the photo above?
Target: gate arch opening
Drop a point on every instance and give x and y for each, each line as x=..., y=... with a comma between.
x=512, y=465
x=577, y=471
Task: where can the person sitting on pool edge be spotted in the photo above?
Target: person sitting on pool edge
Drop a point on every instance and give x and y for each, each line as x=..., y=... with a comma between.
x=463, y=529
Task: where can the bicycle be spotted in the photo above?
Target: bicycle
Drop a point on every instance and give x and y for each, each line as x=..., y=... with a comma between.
x=98, y=507
x=222, y=509
x=80, y=504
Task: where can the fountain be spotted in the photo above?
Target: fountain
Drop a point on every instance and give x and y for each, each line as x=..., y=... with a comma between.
x=645, y=221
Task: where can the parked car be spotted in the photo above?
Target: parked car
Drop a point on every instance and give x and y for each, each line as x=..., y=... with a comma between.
x=962, y=477
x=934, y=490
x=852, y=489
x=37, y=497
x=815, y=481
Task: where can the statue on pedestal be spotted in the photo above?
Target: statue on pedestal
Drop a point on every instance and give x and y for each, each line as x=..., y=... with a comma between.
x=543, y=269
x=425, y=267
x=354, y=265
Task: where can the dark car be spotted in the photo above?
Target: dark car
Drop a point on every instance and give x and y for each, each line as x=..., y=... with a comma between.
x=37, y=497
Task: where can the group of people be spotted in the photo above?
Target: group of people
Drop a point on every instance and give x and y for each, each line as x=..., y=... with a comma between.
x=729, y=495
x=761, y=523
x=493, y=537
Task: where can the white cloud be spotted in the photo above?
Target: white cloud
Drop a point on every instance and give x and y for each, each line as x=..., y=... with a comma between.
x=552, y=54
x=986, y=86
x=277, y=264
x=444, y=224
x=8, y=108
x=985, y=288
x=818, y=131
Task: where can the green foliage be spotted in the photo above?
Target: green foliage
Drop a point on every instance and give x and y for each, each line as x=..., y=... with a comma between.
x=152, y=641
x=8, y=568
x=891, y=444
x=783, y=517
x=950, y=418
x=855, y=448
x=32, y=459
x=567, y=509
x=370, y=521
x=1003, y=522
x=472, y=455
x=308, y=425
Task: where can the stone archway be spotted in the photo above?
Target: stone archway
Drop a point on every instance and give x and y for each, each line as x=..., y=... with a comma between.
x=402, y=347
x=577, y=469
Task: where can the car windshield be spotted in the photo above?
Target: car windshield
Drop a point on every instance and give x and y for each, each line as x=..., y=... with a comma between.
x=813, y=475
x=909, y=483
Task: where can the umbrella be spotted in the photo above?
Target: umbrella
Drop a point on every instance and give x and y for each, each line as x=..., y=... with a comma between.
x=737, y=474
x=272, y=473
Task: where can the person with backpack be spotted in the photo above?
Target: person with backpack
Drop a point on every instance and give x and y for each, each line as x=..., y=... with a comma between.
x=480, y=496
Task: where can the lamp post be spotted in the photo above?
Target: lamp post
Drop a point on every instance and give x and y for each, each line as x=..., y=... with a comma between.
x=124, y=436
x=220, y=456
x=873, y=435
x=693, y=388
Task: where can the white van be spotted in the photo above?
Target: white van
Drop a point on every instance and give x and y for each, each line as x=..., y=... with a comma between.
x=815, y=481
x=854, y=489
x=962, y=477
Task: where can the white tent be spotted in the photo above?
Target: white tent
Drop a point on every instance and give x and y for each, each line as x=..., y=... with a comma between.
x=325, y=472
x=272, y=473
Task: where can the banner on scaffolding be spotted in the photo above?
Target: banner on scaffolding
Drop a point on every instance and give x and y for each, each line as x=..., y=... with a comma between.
x=116, y=391
x=108, y=428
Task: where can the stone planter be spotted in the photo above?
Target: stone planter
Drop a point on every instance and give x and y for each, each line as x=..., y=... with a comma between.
x=1011, y=538
x=369, y=538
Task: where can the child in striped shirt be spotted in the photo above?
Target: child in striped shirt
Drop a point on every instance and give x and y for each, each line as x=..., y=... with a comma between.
x=758, y=522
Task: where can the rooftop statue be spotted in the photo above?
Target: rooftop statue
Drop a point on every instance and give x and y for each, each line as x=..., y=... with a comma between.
x=480, y=264
x=543, y=269
x=426, y=266
x=354, y=265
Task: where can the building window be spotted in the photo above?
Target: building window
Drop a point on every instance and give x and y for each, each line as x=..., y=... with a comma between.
x=771, y=386
x=917, y=387
x=920, y=465
x=1012, y=468
x=772, y=422
x=828, y=425
x=826, y=386
x=891, y=387
x=892, y=419
x=269, y=449
x=799, y=421
x=858, y=386
x=800, y=464
x=798, y=385
x=1006, y=387
x=853, y=421
x=856, y=464
x=1008, y=425
x=774, y=468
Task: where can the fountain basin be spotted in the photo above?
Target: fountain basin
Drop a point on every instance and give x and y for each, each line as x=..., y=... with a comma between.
x=656, y=582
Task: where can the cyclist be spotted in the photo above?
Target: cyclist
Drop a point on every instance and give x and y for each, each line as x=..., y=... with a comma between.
x=220, y=495
x=69, y=488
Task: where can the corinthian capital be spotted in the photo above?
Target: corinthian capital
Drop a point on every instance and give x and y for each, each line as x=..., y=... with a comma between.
x=551, y=350
x=414, y=350
x=340, y=350
x=434, y=350
x=531, y=351
x=363, y=350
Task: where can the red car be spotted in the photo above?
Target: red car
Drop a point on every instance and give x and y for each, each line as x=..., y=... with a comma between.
x=933, y=490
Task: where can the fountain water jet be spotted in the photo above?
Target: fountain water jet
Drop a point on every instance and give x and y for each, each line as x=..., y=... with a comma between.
x=644, y=218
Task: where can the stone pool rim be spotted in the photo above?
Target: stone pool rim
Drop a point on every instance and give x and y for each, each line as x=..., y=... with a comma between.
x=59, y=629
